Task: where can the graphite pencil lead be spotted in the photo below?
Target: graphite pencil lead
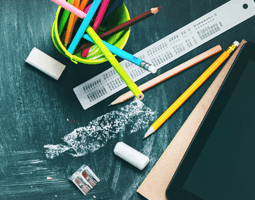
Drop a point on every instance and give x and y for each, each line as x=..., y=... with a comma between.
x=149, y=132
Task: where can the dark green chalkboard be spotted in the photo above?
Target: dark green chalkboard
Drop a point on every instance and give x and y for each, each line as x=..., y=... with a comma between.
x=34, y=108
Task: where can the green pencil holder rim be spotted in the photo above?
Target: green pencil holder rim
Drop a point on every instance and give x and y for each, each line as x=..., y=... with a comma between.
x=76, y=59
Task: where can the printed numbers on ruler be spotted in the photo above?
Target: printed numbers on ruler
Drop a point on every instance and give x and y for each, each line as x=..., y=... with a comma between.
x=167, y=49
x=94, y=90
x=113, y=80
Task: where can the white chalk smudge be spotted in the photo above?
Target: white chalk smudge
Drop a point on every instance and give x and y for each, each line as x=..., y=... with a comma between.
x=30, y=162
x=148, y=147
x=98, y=132
x=130, y=190
x=116, y=176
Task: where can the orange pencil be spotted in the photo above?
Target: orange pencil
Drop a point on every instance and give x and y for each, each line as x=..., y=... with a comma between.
x=83, y=4
x=72, y=20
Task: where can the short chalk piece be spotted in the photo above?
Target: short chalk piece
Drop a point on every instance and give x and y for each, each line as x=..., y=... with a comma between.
x=131, y=155
x=45, y=63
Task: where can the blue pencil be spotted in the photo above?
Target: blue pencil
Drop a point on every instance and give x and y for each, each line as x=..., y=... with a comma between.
x=84, y=26
x=125, y=55
x=113, y=7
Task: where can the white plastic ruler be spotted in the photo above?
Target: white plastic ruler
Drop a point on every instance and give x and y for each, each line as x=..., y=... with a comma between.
x=167, y=49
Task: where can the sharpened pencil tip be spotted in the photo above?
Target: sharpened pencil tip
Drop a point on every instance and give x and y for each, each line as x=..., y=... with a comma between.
x=155, y=10
x=149, y=132
x=110, y=104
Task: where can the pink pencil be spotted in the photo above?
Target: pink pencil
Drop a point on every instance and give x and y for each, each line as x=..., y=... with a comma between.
x=97, y=22
x=70, y=8
x=86, y=10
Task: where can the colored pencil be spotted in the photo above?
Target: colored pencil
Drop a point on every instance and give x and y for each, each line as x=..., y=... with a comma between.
x=97, y=22
x=86, y=10
x=70, y=8
x=72, y=20
x=125, y=55
x=116, y=65
x=121, y=27
x=64, y=19
x=116, y=4
x=133, y=87
x=83, y=4
x=170, y=73
x=191, y=89
x=84, y=25
x=71, y=24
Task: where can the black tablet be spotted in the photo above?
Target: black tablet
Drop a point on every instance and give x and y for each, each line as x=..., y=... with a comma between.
x=220, y=162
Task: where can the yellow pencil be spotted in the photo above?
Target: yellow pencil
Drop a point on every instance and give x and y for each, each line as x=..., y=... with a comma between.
x=116, y=65
x=191, y=89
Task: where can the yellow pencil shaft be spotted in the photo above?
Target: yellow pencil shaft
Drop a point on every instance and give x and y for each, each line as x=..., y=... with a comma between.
x=190, y=91
x=133, y=87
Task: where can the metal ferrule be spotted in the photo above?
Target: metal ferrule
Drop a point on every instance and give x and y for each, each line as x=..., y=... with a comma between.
x=145, y=65
x=231, y=48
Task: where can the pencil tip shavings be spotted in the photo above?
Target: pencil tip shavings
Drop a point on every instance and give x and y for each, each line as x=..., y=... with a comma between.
x=45, y=63
x=85, y=179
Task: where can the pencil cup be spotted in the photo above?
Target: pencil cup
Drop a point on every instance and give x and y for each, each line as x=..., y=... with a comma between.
x=95, y=56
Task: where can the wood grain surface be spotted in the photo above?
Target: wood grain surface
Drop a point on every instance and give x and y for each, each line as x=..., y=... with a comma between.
x=34, y=108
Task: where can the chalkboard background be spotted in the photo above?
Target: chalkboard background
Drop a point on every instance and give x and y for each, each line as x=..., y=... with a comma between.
x=34, y=108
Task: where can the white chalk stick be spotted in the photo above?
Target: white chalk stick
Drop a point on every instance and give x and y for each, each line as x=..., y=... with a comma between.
x=45, y=63
x=131, y=155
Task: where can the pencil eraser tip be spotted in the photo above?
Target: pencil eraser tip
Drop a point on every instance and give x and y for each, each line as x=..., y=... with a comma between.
x=152, y=69
x=236, y=43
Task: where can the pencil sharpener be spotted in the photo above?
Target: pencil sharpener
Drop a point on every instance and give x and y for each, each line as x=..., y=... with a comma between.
x=85, y=179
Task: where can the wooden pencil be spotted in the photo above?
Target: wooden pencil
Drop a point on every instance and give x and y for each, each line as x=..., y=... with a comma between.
x=86, y=27
x=193, y=88
x=116, y=65
x=97, y=22
x=170, y=73
x=64, y=19
x=71, y=24
x=121, y=27
x=83, y=4
x=64, y=4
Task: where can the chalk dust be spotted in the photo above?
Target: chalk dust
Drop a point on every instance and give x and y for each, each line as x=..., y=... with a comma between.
x=129, y=119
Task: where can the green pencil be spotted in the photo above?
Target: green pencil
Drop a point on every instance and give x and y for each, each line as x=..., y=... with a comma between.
x=64, y=19
x=116, y=65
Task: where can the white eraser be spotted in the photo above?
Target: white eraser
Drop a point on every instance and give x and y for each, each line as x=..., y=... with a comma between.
x=131, y=155
x=236, y=43
x=153, y=69
x=45, y=63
